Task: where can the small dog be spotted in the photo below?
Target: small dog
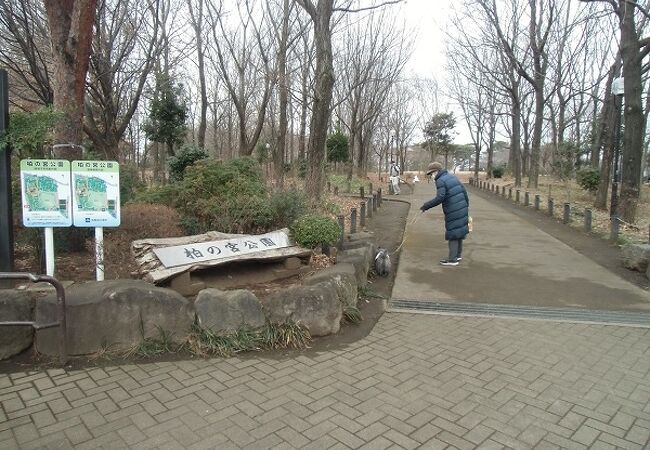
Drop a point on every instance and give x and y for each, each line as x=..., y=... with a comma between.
x=382, y=262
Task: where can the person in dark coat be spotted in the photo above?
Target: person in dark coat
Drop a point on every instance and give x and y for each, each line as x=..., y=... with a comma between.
x=455, y=205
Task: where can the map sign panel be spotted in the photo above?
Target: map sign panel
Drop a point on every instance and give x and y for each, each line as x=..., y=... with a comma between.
x=45, y=189
x=96, y=193
x=180, y=255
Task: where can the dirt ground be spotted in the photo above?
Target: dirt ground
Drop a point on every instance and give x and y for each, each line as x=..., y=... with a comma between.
x=387, y=226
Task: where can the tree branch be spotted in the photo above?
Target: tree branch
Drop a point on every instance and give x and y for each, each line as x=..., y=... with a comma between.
x=367, y=8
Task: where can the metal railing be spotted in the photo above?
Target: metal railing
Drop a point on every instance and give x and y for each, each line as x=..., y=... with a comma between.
x=60, y=300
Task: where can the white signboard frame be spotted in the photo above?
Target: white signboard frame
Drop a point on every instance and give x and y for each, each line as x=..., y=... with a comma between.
x=92, y=207
x=188, y=254
x=45, y=189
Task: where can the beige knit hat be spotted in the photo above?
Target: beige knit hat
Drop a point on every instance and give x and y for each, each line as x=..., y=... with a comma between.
x=434, y=167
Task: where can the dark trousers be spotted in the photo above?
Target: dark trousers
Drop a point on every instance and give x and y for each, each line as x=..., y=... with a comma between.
x=455, y=249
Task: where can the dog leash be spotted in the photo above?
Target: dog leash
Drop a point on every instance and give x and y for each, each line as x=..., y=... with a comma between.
x=406, y=230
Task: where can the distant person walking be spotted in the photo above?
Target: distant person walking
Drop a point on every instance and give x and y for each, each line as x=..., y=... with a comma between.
x=455, y=205
x=394, y=173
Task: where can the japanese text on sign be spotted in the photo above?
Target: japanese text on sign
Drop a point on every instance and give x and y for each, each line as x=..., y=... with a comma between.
x=181, y=255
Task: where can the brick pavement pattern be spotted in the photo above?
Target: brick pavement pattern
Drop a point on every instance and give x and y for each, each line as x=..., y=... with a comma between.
x=417, y=381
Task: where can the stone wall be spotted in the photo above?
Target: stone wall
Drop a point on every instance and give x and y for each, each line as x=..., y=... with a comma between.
x=118, y=314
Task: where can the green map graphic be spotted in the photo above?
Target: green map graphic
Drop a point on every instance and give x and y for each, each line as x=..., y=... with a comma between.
x=41, y=193
x=90, y=193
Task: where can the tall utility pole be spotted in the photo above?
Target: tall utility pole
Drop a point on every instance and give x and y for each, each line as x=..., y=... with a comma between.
x=617, y=92
x=6, y=218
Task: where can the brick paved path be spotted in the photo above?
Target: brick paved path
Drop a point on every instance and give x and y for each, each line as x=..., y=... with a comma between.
x=416, y=381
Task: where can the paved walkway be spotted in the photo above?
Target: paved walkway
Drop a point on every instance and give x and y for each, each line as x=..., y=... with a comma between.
x=506, y=260
x=416, y=381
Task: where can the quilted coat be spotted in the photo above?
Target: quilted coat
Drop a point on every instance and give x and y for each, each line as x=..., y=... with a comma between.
x=455, y=204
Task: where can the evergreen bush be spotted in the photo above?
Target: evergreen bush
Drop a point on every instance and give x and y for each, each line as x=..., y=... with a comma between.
x=498, y=171
x=185, y=157
x=313, y=230
x=588, y=179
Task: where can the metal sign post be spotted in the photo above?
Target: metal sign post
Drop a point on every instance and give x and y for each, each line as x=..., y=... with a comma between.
x=45, y=187
x=96, y=201
x=6, y=217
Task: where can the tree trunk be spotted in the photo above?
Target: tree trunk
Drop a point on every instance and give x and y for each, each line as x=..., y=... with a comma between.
x=278, y=154
x=515, y=142
x=607, y=137
x=322, y=96
x=634, y=119
x=71, y=28
x=200, y=54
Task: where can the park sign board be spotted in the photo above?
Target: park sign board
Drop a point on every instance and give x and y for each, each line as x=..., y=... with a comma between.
x=45, y=188
x=96, y=194
x=230, y=248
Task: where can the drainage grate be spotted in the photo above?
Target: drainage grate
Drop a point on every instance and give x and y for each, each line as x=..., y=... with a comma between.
x=528, y=312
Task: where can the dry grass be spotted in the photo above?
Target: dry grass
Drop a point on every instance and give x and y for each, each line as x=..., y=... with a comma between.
x=570, y=192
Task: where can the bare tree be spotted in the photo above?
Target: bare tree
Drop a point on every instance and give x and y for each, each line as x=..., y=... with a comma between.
x=125, y=47
x=321, y=16
x=25, y=51
x=196, y=9
x=633, y=51
x=243, y=61
x=374, y=55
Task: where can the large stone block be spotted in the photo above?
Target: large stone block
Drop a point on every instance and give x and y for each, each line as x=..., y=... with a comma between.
x=114, y=314
x=343, y=277
x=15, y=306
x=227, y=311
x=316, y=307
x=362, y=259
x=636, y=256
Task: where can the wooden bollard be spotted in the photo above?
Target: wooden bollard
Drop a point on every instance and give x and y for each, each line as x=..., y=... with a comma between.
x=353, y=220
x=567, y=213
x=375, y=198
x=380, y=198
x=526, y=198
x=342, y=225
x=537, y=202
x=588, y=219
x=336, y=190
x=498, y=189
x=362, y=194
x=329, y=187
x=517, y=196
x=510, y=193
x=550, y=206
x=362, y=215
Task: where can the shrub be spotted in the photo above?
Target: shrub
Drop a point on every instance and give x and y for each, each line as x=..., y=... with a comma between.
x=312, y=230
x=142, y=220
x=230, y=197
x=338, y=147
x=588, y=179
x=186, y=156
x=287, y=206
x=498, y=171
x=163, y=195
x=302, y=167
x=130, y=183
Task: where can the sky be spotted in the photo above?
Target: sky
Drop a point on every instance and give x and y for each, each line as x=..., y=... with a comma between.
x=428, y=20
